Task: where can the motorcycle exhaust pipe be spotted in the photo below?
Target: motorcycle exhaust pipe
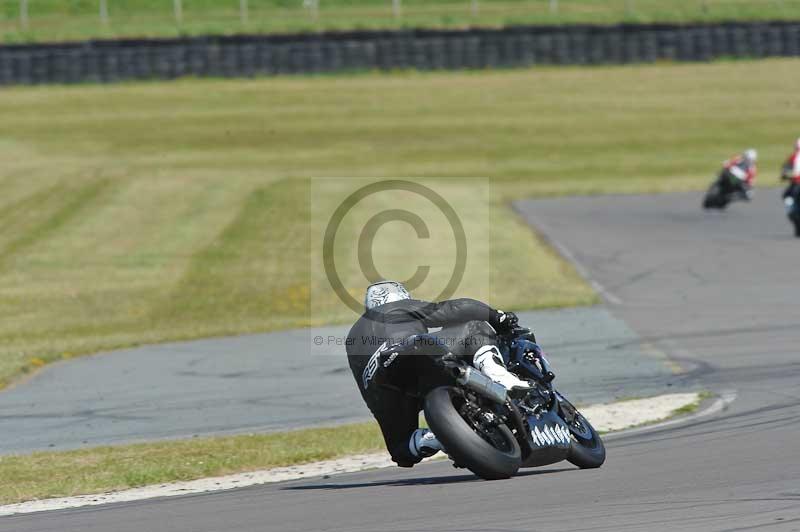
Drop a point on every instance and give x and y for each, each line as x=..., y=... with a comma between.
x=480, y=383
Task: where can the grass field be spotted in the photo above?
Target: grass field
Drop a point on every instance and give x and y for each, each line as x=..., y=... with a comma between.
x=54, y=20
x=146, y=212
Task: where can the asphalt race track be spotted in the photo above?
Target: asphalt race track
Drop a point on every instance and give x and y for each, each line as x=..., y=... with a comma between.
x=274, y=381
x=717, y=291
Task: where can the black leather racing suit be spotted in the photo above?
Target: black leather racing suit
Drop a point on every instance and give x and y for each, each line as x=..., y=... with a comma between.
x=394, y=391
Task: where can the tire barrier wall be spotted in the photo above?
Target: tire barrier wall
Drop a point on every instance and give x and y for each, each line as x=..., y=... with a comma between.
x=244, y=56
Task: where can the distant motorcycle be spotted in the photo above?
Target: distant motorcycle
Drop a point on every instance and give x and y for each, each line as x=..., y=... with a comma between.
x=485, y=430
x=724, y=190
x=791, y=199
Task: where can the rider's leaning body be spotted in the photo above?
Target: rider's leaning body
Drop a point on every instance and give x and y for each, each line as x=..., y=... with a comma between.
x=385, y=375
x=742, y=168
x=791, y=172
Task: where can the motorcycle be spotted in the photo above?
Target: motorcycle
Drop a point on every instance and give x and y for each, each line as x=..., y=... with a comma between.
x=494, y=432
x=791, y=199
x=724, y=190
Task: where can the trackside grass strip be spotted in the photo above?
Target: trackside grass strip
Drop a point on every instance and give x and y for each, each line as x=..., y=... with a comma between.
x=103, y=469
x=100, y=469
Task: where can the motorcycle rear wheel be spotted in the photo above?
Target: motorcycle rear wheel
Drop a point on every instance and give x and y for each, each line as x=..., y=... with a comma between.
x=794, y=217
x=715, y=199
x=490, y=451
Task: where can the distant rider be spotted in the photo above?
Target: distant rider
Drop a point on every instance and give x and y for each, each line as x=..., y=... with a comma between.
x=791, y=196
x=791, y=172
x=387, y=374
x=741, y=172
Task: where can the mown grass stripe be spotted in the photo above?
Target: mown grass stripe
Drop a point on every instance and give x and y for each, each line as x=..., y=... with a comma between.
x=32, y=201
x=74, y=202
x=256, y=255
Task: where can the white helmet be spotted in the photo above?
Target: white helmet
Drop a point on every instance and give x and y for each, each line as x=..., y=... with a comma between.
x=384, y=292
x=750, y=155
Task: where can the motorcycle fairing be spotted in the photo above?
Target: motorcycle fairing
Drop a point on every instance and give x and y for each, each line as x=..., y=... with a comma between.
x=549, y=440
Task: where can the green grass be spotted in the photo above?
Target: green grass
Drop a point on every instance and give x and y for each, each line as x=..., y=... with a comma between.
x=161, y=211
x=55, y=20
x=101, y=469
x=691, y=408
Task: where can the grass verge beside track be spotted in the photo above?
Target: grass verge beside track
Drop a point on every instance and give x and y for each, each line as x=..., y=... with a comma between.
x=103, y=469
x=147, y=212
x=100, y=469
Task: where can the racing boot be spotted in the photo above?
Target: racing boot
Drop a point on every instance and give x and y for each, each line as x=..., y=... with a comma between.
x=489, y=361
x=423, y=443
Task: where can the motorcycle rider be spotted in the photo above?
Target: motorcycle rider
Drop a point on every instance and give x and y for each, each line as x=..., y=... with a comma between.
x=741, y=172
x=386, y=370
x=791, y=173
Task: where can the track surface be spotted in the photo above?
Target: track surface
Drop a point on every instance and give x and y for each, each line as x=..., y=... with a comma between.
x=270, y=382
x=713, y=289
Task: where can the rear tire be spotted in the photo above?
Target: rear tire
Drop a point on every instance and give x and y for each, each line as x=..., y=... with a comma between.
x=462, y=441
x=715, y=198
x=710, y=201
x=794, y=217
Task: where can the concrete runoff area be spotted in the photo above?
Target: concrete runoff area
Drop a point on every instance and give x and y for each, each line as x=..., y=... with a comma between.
x=275, y=381
x=717, y=291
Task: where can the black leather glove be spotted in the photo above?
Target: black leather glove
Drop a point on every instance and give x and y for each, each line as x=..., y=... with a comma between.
x=506, y=321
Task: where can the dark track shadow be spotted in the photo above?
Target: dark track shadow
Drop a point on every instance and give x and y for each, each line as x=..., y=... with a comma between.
x=428, y=481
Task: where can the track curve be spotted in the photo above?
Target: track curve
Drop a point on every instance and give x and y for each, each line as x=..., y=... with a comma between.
x=715, y=291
